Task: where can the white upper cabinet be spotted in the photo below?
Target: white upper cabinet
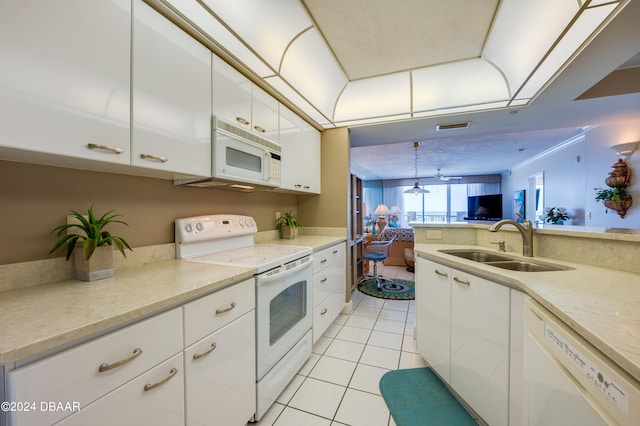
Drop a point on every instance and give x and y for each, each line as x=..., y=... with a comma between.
x=64, y=79
x=171, y=96
x=300, y=154
x=239, y=101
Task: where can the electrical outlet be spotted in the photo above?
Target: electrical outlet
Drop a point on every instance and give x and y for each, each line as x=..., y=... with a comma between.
x=434, y=234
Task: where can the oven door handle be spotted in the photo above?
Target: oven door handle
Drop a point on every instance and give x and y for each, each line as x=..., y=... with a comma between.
x=267, y=279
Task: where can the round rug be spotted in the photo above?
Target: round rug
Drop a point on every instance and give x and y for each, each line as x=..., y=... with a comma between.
x=391, y=289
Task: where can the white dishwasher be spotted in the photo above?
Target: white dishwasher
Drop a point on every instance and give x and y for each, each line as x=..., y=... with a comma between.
x=569, y=382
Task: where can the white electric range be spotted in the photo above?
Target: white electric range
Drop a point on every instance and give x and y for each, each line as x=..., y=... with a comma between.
x=283, y=293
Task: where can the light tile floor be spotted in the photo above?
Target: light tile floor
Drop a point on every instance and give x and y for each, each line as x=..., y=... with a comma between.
x=339, y=383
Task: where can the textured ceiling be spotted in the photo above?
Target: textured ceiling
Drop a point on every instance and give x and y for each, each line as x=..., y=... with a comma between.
x=376, y=37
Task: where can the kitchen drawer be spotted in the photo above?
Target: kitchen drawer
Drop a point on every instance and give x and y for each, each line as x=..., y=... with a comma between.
x=328, y=257
x=74, y=376
x=325, y=313
x=221, y=383
x=207, y=314
x=131, y=404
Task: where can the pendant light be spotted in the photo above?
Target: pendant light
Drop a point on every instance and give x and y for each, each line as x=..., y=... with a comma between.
x=416, y=188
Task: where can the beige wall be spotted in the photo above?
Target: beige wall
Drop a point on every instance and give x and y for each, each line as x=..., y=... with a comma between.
x=330, y=209
x=35, y=199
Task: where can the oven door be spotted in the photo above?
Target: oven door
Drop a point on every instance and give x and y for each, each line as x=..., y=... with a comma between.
x=283, y=311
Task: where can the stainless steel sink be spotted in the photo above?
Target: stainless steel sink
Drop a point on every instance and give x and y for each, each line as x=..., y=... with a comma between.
x=504, y=262
x=515, y=265
x=477, y=255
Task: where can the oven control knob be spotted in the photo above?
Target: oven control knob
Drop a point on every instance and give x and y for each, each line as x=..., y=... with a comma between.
x=252, y=222
x=247, y=222
x=199, y=226
x=188, y=228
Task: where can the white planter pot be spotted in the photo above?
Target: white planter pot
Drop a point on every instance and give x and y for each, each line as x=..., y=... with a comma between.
x=99, y=265
x=289, y=233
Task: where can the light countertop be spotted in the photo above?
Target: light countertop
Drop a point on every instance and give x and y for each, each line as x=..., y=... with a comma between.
x=40, y=319
x=602, y=305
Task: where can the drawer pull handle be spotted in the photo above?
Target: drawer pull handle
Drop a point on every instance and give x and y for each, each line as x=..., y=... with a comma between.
x=442, y=274
x=324, y=280
x=334, y=252
x=242, y=120
x=323, y=261
x=227, y=309
x=154, y=157
x=150, y=386
x=105, y=148
x=205, y=353
x=461, y=281
x=259, y=129
x=324, y=311
x=106, y=367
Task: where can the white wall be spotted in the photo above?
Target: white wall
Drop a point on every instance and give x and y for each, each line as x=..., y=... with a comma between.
x=570, y=183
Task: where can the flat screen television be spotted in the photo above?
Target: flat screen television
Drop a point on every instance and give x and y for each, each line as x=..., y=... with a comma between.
x=484, y=207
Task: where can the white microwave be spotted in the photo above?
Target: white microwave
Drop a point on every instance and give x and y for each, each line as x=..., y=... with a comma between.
x=240, y=160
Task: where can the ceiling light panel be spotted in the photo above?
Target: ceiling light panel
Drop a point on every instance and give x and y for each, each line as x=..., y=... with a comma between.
x=210, y=28
x=267, y=26
x=281, y=86
x=457, y=84
x=580, y=31
x=317, y=76
x=375, y=97
x=516, y=44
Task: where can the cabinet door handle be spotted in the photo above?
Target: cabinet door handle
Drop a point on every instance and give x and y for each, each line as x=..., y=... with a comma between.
x=461, y=281
x=106, y=367
x=154, y=157
x=323, y=261
x=205, y=353
x=242, y=120
x=334, y=252
x=259, y=129
x=307, y=187
x=227, y=309
x=323, y=280
x=150, y=386
x=324, y=311
x=105, y=148
x=441, y=274
x=297, y=185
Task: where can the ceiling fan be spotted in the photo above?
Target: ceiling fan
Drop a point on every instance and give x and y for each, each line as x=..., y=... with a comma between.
x=439, y=176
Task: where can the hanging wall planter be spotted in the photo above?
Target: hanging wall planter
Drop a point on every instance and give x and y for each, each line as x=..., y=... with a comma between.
x=617, y=198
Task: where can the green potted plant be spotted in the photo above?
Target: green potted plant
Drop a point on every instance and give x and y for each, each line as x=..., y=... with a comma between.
x=288, y=225
x=556, y=215
x=95, y=261
x=617, y=199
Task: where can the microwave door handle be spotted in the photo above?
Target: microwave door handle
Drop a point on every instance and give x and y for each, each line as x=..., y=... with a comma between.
x=267, y=156
x=268, y=279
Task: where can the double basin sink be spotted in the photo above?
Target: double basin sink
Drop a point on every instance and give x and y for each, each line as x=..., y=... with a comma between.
x=505, y=262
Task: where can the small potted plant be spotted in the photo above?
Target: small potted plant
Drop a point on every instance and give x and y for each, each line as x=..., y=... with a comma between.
x=556, y=215
x=288, y=225
x=95, y=261
x=617, y=199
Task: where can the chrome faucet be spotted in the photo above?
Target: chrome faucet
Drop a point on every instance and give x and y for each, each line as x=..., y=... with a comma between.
x=526, y=231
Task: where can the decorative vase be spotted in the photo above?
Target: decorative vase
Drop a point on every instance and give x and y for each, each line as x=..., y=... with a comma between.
x=620, y=177
x=97, y=267
x=560, y=222
x=620, y=206
x=288, y=233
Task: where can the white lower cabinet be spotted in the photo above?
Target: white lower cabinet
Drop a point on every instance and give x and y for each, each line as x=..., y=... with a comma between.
x=462, y=327
x=221, y=377
x=86, y=373
x=194, y=365
x=154, y=398
x=329, y=287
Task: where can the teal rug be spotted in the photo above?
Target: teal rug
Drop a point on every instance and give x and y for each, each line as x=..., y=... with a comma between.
x=391, y=289
x=416, y=396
